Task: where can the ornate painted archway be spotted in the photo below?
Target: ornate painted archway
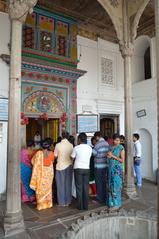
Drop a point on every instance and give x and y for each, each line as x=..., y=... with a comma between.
x=41, y=102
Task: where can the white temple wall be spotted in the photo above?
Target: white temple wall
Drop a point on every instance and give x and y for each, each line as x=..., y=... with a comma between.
x=104, y=99
x=145, y=98
x=99, y=96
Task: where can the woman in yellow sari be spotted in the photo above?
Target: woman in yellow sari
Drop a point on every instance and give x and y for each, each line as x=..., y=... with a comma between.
x=42, y=176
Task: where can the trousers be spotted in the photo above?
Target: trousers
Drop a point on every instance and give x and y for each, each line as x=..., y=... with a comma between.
x=138, y=173
x=82, y=187
x=101, y=184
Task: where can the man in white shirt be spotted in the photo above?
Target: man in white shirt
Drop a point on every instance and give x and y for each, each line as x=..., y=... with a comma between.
x=37, y=140
x=137, y=154
x=63, y=152
x=82, y=154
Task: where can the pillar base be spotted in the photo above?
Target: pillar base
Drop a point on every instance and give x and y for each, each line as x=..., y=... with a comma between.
x=13, y=223
x=130, y=191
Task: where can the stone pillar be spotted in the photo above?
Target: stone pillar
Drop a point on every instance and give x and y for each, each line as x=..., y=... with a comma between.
x=157, y=66
x=127, y=52
x=13, y=220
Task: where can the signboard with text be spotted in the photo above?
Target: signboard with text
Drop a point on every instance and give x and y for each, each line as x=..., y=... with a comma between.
x=87, y=123
x=3, y=109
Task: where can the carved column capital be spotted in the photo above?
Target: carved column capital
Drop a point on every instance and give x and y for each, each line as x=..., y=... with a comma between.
x=126, y=49
x=114, y=3
x=18, y=9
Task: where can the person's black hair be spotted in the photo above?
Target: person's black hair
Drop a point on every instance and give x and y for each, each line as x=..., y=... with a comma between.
x=37, y=132
x=116, y=136
x=50, y=140
x=106, y=138
x=137, y=136
x=83, y=138
x=122, y=137
x=45, y=144
x=71, y=139
x=54, y=144
x=92, y=139
x=98, y=134
x=30, y=143
x=59, y=139
x=65, y=135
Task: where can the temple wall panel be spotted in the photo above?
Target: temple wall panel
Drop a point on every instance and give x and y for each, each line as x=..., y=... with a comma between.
x=49, y=94
x=49, y=36
x=101, y=87
x=145, y=99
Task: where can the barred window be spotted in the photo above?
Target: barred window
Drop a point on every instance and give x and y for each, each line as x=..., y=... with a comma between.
x=107, y=71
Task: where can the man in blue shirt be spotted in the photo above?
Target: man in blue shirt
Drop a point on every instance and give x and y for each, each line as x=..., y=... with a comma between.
x=101, y=166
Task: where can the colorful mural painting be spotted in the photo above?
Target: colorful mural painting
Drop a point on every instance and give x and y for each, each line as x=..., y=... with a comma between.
x=49, y=69
x=50, y=35
x=48, y=93
x=43, y=102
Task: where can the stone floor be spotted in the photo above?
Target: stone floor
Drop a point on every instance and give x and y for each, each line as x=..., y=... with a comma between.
x=52, y=222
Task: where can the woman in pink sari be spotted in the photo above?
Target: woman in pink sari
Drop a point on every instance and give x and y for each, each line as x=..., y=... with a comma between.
x=28, y=195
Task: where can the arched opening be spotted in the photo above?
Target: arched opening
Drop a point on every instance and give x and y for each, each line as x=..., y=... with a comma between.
x=147, y=64
x=145, y=31
x=147, y=156
x=142, y=58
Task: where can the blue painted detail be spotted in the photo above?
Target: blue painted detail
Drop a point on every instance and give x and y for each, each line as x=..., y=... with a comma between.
x=46, y=13
x=51, y=71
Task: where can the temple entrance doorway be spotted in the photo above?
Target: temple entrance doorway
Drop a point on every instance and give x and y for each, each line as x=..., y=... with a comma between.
x=47, y=128
x=109, y=124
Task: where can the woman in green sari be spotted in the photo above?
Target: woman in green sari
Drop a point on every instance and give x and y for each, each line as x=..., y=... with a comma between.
x=116, y=157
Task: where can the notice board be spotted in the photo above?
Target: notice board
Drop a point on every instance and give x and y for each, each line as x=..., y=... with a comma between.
x=87, y=123
x=3, y=109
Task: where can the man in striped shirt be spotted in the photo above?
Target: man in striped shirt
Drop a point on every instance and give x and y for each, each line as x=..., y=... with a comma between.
x=101, y=166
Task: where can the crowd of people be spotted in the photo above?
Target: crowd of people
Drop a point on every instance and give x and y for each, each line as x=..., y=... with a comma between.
x=79, y=170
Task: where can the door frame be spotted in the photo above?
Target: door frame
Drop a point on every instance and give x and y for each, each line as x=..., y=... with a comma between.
x=24, y=129
x=114, y=117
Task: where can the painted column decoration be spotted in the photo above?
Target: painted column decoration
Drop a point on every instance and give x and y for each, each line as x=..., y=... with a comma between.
x=24, y=119
x=63, y=121
x=13, y=220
